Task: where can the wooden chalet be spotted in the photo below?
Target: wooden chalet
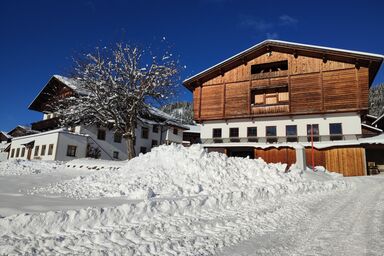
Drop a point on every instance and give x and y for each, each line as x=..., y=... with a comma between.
x=275, y=93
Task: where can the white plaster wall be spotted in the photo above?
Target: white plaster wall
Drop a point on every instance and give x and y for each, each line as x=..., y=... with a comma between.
x=351, y=124
x=175, y=138
x=147, y=143
x=108, y=145
x=64, y=140
x=40, y=139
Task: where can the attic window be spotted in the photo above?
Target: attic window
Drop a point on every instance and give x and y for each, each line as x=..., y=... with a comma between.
x=269, y=67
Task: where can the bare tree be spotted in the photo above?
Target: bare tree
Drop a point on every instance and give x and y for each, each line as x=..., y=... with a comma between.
x=114, y=87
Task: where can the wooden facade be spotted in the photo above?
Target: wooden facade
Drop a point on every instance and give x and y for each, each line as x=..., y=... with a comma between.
x=316, y=83
x=349, y=161
x=313, y=87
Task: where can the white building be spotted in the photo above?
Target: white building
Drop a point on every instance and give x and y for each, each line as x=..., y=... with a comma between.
x=63, y=144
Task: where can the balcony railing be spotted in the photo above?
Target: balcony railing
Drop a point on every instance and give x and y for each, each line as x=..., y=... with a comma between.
x=270, y=74
x=283, y=139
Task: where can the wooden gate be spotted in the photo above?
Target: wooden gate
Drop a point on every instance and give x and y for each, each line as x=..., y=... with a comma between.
x=277, y=155
x=349, y=161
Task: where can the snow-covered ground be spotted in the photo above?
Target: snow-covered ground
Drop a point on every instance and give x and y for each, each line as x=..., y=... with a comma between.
x=183, y=201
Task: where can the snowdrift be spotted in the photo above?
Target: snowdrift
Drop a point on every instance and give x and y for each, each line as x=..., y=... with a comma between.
x=176, y=171
x=189, y=203
x=24, y=167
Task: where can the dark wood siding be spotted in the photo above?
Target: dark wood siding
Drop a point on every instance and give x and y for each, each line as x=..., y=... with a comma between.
x=314, y=87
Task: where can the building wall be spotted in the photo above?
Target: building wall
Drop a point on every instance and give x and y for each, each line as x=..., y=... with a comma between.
x=314, y=86
x=351, y=124
x=66, y=139
x=40, y=139
x=174, y=138
x=107, y=146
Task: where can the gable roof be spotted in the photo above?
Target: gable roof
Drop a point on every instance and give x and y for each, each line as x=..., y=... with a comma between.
x=371, y=60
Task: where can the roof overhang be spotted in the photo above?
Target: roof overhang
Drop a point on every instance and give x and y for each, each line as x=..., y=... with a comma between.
x=364, y=59
x=50, y=89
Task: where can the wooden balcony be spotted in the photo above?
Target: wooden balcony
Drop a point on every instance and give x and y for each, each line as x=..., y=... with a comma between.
x=267, y=109
x=269, y=74
x=46, y=125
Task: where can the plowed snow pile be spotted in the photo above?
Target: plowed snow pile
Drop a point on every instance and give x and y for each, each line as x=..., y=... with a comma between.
x=190, y=203
x=176, y=171
x=24, y=167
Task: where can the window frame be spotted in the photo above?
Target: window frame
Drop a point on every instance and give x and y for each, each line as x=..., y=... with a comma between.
x=143, y=150
x=12, y=153
x=117, y=137
x=43, y=150
x=316, y=132
x=50, y=149
x=115, y=154
x=154, y=144
x=175, y=131
x=36, y=153
x=290, y=137
x=335, y=136
x=22, y=154
x=144, y=132
x=101, y=134
x=17, y=152
x=71, y=150
x=271, y=138
x=213, y=133
x=155, y=128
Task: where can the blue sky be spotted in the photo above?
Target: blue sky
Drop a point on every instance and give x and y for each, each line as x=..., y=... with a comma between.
x=38, y=38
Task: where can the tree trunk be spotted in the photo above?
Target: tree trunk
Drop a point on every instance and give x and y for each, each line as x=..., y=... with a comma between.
x=130, y=147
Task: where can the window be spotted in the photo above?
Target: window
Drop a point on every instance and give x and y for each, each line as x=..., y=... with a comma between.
x=233, y=132
x=154, y=143
x=115, y=155
x=101, y=134
x=22, y=152
x=269, y=67
x=336, y=132
x=143, y=150
x=252, y=134
x=270, y=96
x=175, y=131
x=50, y=149
x=316, y=133
x=117, y=137
x=270, y=132
x=17, y=152
x=71, y=150
x=36, y=151
x=291, y=133
x=155, y=128
x=144, y=132
x=216, y=133
x=43, y=147
x=12, y=153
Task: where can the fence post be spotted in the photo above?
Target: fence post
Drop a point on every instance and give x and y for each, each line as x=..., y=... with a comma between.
x=301, y=162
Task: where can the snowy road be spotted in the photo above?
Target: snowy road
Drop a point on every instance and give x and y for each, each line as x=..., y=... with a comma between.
x=350, y=223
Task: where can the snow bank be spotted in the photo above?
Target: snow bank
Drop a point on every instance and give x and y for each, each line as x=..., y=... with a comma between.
x=177, y=171
x=24, y=167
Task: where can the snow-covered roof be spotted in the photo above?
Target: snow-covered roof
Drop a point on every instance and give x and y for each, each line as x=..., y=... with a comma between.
x=70, y=82
x=308, y=47
x=194, y=128
x=6, y=135
x=60, y=130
